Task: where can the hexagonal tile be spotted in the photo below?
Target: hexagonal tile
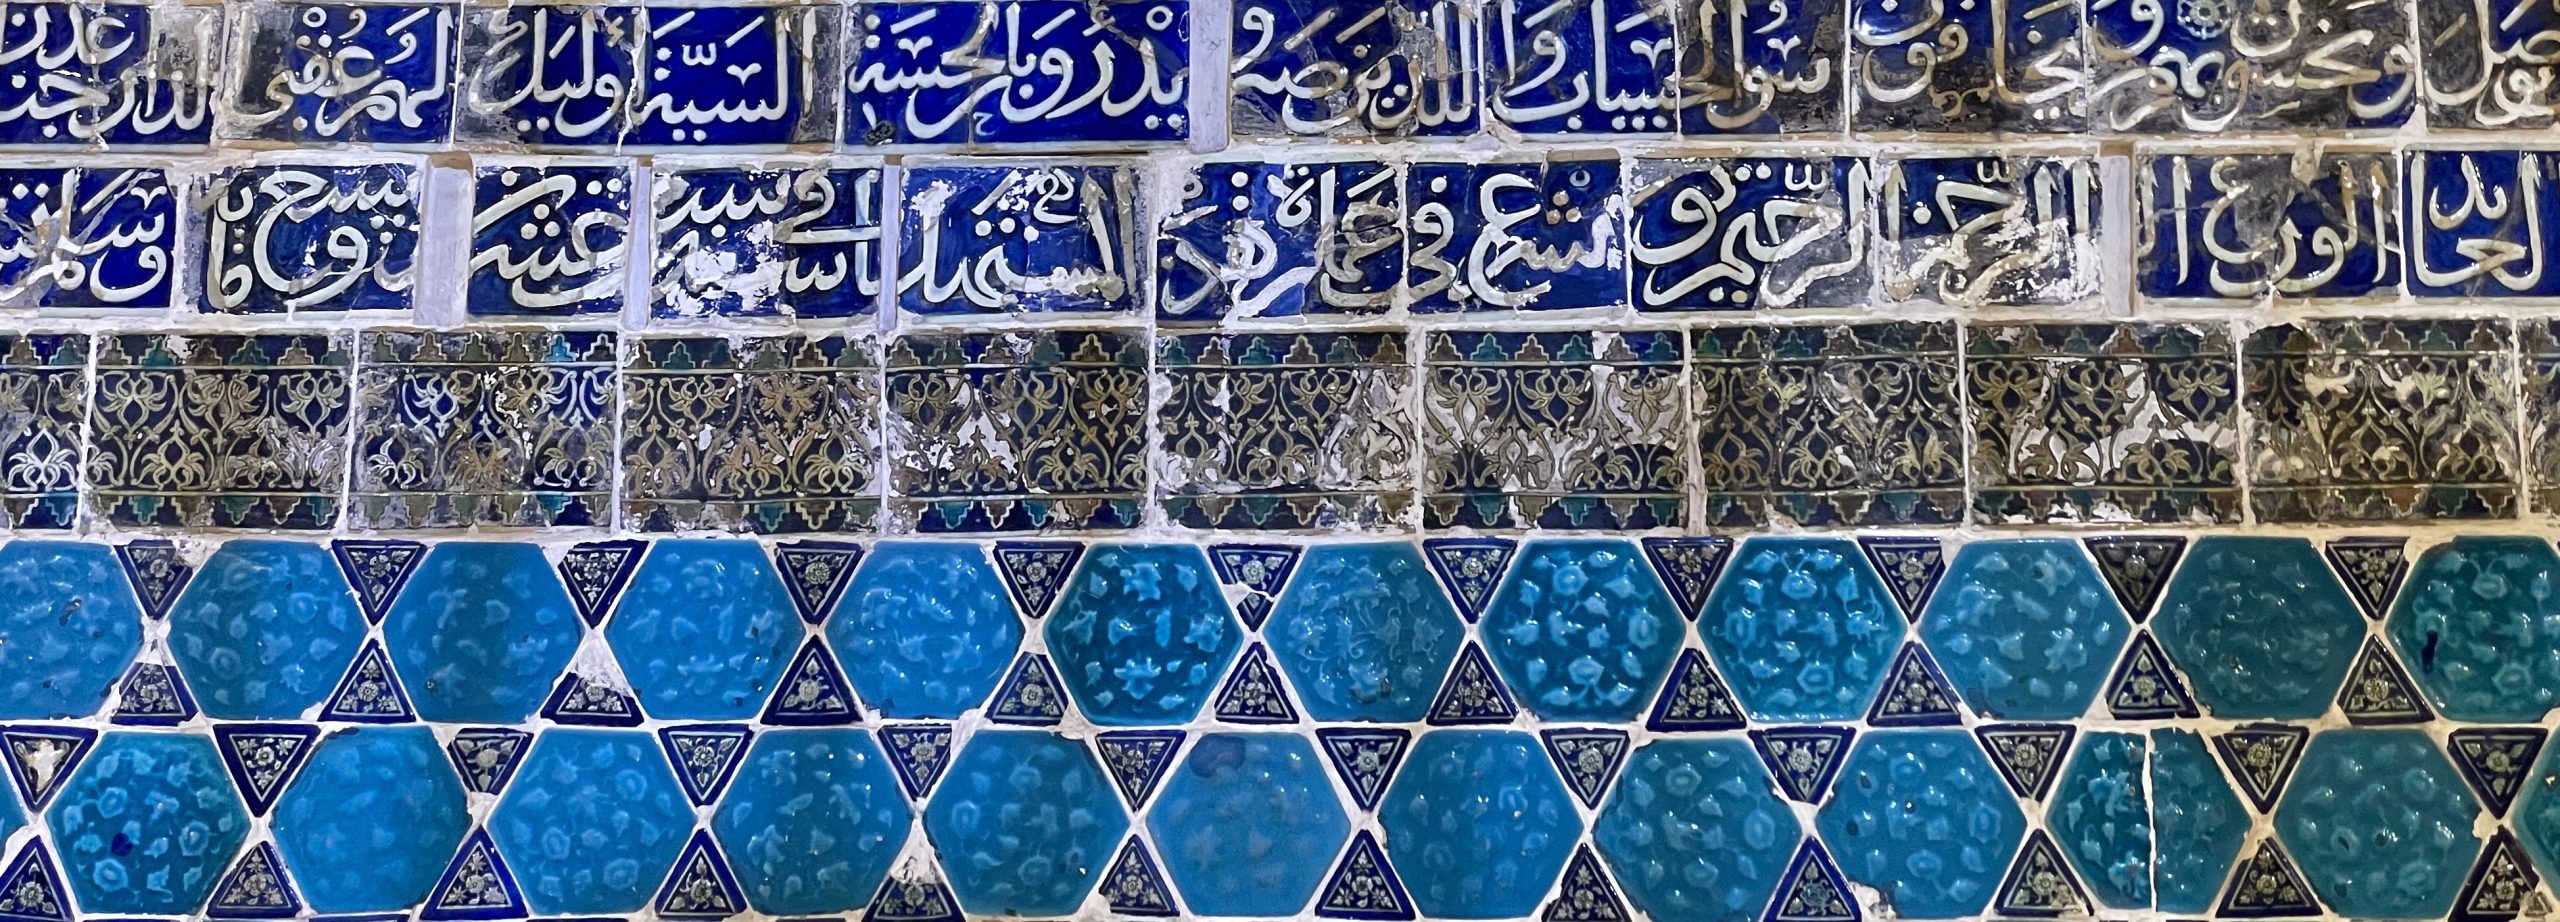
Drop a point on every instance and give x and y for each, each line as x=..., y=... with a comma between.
x=265, y=629
x=2025, y=628
x=2478, y=622
x=1024, y=821
x=592, y=821
x=146, y=823
x=371, y=820
x=2101, y=818
x=481, y=632
x=1248, y=824
x=813, y=821
x=705, y=630
x=69, y=623
x=925, y=629
x=1143, y=634
x=2379, y=822
x=1365, y=633
x=1695, y=830
x=1581, y=629
x=2261, y=626
x=2198, y=821
x=1477, y=823
x=2537, y=810
x=1922, y=816
x=1801, y=628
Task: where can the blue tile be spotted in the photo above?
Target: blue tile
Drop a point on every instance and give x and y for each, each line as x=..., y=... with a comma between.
x=741, y=75
x=1143, y=634
x=1581, y=629
x=116, y=250
x=146, y=823
x=110, y=75
x=10, y=816
x=311, y=237
x=1975, y=67
x=1248, y=824
x=1510, y=236
x=1246, y=239
x=513, y=63
x=914, y=75
x=1019, y=238
x=1024, y=822
x=372, y=819
x=265, y=629
x=925, y=629
x=68, y=625
x=2101, y=818
x=2479, y=626
x=993, y=432
x=2238, y=227
x=1477, y=824
x=1749, y=233
x=1922, y=816
x=592, y=821
x=2477, y=220
x=812, y=821
x=1581, y=68
x=481, y=632
x=2478, y=75
x=2260, y=626
x=796, y=238
x=220, y=430
x=2342, y=66
x=2537, y=811
x=2380, y=823
x=1696, y=831
x=1801, y=628
x=549, y=238
x=2196, y=819
x=1989, y=230
x=1355, y=69
x=1364, y=633
x=331, y=73
x=705, y=630
x=2025, y=628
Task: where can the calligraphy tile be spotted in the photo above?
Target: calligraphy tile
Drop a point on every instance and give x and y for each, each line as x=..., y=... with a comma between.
x=737, y=74
x=1016, y=431
x=2542, y=411
x=1018, y=238
x=343, y=73
x=1351, y=69
x=2215, y=66
x=766, y=239
x=943, y=73
x=766, y=434
x=87, y=238
x=2480, y=223
x=1261, y=239
x=2490, y=64
x=219, y=430
x=488, y=428
x=1285, y=430
x=121, y=75
x=1969, y=66
x=1553, y=430
x=321, y=236
x=1979, y=231
x=2381, y=420
x=1744, y=233
x=1560, y=68
x=550, y=76
x=44, y=395
x=2104, y=422
x=1539, y=236
x=549, y=238
x=2250, y=227
x=1755, y=68
x=1836, y=425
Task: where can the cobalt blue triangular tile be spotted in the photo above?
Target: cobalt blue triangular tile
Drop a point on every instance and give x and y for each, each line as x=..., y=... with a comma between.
x=2028, y=756
x=263, y=758
x=1254, y=608
x=1133, y=886
x=2500, y=883
x=370, y=692
x=1366, y=758
x=701, y=886
x=913, y=894
x=2495, y=760
x=40, y=756
x=1688, y=567
x=1254, y=693
x=31, y=889
x=1695, y=700
x=596, y=573
x=918, y=753
x=157, y=573
x=1136, y=760
x=705, y=756
x=1364, y=885
x=579, y=701
x=377, y=570
x=1915, y=693
x=2378, y=690
x=1812, y=890
x=1588, y=758
x=487, y=756
x=1803, y=759
x=1035, y=571
x=816, y=572
x=1029, y=695
x=1471, y=568
x=2262, y=756
x=475, y=885
x=1262, y=568
x=255, y=888
x=1911, y=568
x=2372, y=568
x=1473, y=694
x=153, y=695
x=1586, y=894
x=2040, y=884
x=2267, y=886
x=2144, y=687
x=2137, y=567
x=813, y=692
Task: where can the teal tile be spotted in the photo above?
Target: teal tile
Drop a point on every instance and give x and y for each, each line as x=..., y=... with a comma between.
x=2379, y=823
x=925, y=629
x=706, y=629
x=1695, y=830
x=1477, y=824
x=1248, y=824
x=2478, y=622
x=2261, y=627
x=69, y=622
x=1143, y=634
x=2100, y=817
x=1582, y=629
x=1364, y=633
x=146, y=823
x=481, y=632
x=372, y=820
x=592, y=821
x=2197, y=822
x=812, y=821
x=2025, y=628
x=265, y=629
x=1921, y=816
x=1801, y=628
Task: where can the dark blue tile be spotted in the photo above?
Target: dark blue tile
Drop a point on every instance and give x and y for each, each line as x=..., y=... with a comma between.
x=735, y=75
x=2247, y=227
x=1019, y=238
x=332, y=73
x=1990, y=231
x=120, y=75
x=1260, y=239
x=2476, y=222
x=371, y=820
x=1825, y=426
x=88, y=238
x=2208, y=67
x=1582, y=67
x=1024, y=823
x=2381, y=420
x=2359, y=788
x=1973, y=67
x=297, y=238
x=490, y=428
x=1750, y=233
x=220, y=430
x=1553, y=430
x=2480, y=71
x=44, y=376
x=774, y=238
x=2104, y=423
x=1356, y=69
x=551, y=75
x=1285, y=430
x=1505, y=236
x=937, y=73
x=1017, y=431
x=772, y=434
x=549, y=238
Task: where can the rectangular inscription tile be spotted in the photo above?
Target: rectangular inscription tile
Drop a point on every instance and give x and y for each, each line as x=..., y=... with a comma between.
x=2103, y=422
x=220, y=430
x=1561, y=68
x=1254, y=240
x=549, y=238
x=776, y=238
x=2381, y=420
x=958, y=74
x=2482, y=223
x=572, y=76
x=2490, y=64
x=342, y=73
x=1017, y=237
x=1848, y=425
x=767, y=434
x=2250, y=227
x=1990, y=231
x=1553, y=430
x=2230, y=66
x=1969, y=66
x=485, y=428
x=109, y=75
x=1285, y=430
x=1745, y=68
x=309, y=236
x=1017, y=431
x=1511, y=236
x=1352, y=69
x=44, y=396
x=1745, y=233
x=89, y=238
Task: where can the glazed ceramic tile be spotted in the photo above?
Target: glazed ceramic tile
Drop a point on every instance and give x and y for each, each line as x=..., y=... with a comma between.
x=1990, y=65
x=1016, y=431
x=1364, y=69
x=2249, y=227
x=564, y=76
x=487, y=428
x=946, y=73
x=95, y=75
x=1745, y=233
x=1851, y=425
x=1257, y=240
x=1018, y=238
x=225, y=431
x=778, y=238
x=2335, y=66
x=1301, y=430
x=2478, y=223
x=1503, y=236
x=2481, y=71
x=763, y=434
x=304, y=237
x=1989, y=231
x=2104, y=422
x=2380, y=420
x=343, y=73
x=1553, y=430
x=44, y=401
x=549, y=238
x=88, y=238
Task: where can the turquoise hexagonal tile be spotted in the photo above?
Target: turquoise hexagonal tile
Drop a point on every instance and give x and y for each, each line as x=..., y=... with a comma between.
x=591, y=821
x=2478, y=623
x=1581, y=629
x=1024, y=821
x=2261, y=626
x=1695, y=830
x=2025, y=628
x=68, y=625
x=812, y=821
x=1923, y=817
x=146, y=824
x=1364, y=632
x=265, y=629
x=925, y=628
x=705, y=630
x=1247, y=824
x=2380, y=823
x=1801, y=628
x=2537, y=811
x=371, y=820
x=2100, y=816
x=481, y=632
x=1142, y=634
x=2198, y=822
x=1478, y=824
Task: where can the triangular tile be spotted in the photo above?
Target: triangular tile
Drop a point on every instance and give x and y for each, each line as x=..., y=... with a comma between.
x=255, y=888
x=152, y=694
x=1473, y=694
x=1813, y=890
x=1911, y=568
x=2040, y=884
x=1134, y=887
x=1253, y=609
x=596, y=573
x=701, y=886
x=2499, y=884
x=813, y=692
x=1688, y=567
x=1695, y=699
x=1029, y=694
x=2378, y=690
x=816, y=573
x=487, y=756
x=263, y=758
x=2262, y=756
x=1262, y=568
x=2144, y=687
x=370, y=692
x=157, y=573
x=1471, y=568
x=2027, y=755
x=705, y=756
x=1254, y=693
x=2137, y=567
x=377, y=570
x=475, y=885
x=2496, y=760
x=31, y=889
x=583, y=702
x=1036, y=571
x=1915, y=693
x=1586, y=894
x=1136, y=760
x=40, y=756
x=2267, y=886
x=1588, y=758
x=1803, y=759
x=2372, y=568
x=1364, y=885
x=913, y=894
x=1365, y=758
x=918, y=753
